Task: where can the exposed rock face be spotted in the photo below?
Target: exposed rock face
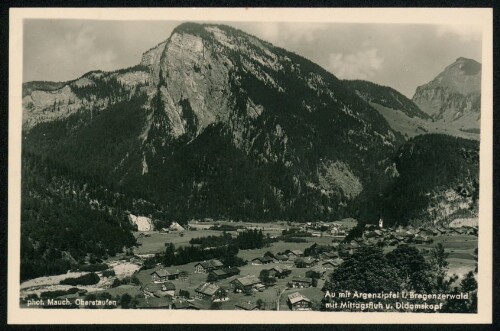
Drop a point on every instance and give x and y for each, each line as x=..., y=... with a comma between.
x=454, y=96
x=143, y=223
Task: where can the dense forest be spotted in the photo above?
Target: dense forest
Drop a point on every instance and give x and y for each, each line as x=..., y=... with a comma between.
x=431, y=169
x=403, y=269
x=69, y=219
x=386, y=96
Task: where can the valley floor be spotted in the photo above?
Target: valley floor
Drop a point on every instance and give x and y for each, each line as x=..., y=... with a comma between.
x=460, y=248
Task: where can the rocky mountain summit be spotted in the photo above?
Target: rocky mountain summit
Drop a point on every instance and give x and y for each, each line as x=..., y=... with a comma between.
x=454, y=96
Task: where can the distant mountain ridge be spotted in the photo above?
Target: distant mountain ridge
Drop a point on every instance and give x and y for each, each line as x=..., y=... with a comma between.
x=387, y=97
x=402, y=114
x=454, y=96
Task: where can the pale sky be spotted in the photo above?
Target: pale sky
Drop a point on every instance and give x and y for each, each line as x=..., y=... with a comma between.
x=396, y=55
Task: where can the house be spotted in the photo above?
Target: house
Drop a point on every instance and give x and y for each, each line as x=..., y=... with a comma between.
x=304, y=262
x=262, y=260
x=281, y=258
x=212, y=292
x=297, y=301
x=183, y=304
x=316, y=271
x=159, y=289
x=247, y=283
x=207, y=266
x=246, y=306
x=219, y=274
x=162, y=275
x=277, y=272
x=300, y=282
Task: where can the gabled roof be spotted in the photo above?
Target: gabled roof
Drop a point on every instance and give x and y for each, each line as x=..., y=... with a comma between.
x=248, y=280
x=302, y=280
x=169, y=286
x=207, y=289
x=296, y=297
x=161, y=272
x=278, y=269
x=152, y=287
x=246, y=305
x=219, y=272
x=181, y=305
x=214, y=263
x=264, y=259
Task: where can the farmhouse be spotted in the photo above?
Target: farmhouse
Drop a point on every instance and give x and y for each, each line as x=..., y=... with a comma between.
x=212, y=292
x=247, y=283
x=162, y=275
x=301, y=282
x=297, y=301
x=207, y=266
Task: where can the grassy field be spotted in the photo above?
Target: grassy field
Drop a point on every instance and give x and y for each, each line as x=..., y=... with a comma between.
x=156, y=242
x=460, y=249
x=415, y=126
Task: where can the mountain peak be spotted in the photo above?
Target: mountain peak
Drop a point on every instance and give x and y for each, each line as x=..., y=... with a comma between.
x=454, y=95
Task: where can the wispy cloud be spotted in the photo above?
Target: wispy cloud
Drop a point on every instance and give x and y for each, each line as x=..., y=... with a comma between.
x=289, y=32
x=359, y=65
x=465, y=33
x=80, y=47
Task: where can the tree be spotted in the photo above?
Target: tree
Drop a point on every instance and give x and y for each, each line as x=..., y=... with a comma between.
x=216, y=306
x=413, y=270
x=169, y=257
x=368, y=270
x=260, y=304
x=442, y=283
x=468, y=285
x=184, y=293
x=265, y=277
x=211, y=278
x=438, y=258
x=125, y=301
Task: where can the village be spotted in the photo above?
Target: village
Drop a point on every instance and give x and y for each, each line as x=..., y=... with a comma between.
x=283, y=275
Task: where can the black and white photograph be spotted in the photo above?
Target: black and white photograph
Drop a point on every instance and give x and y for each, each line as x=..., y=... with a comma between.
x=257, y=160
